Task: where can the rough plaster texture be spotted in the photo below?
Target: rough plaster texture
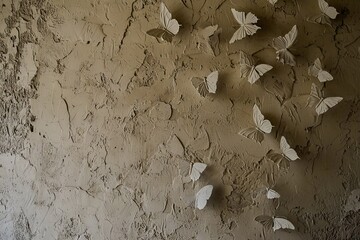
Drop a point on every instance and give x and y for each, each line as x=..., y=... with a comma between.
x=99, y=123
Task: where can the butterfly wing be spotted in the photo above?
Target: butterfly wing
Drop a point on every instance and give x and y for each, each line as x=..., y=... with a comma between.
x=250, y=18
x=286, y=57
x=272, y=194
x=200, y=86
x=327, y=103
x=282, y=223
x=260, y=122
x=166, y=20
x=209, y=31
x=281, y=45
x=315, y=68
x=214, y=41
x=287, y=150
x=324, y=76
x=238, y=35
x=240, y=17
x=252, y=133
x=291, y=36
x=266, y=221
x=246, y=64
x=315, y=96
x=161, y=34
x=202, y=196
x=278, y=159
x=272, y=1
x=196, y=171
x=211, y=81
x=327, y=10
x=258, y=71
x=321, y=19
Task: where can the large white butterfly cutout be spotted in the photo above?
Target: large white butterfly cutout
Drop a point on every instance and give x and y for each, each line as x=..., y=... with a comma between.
x=262, y=126
x=196, y=171
x=275, y=223
x=247, y=25
x=322, y=105
x=282, y=45
x=207, y=85
x=317, y=71
x=169, y=27
x=272, y=194
x=202, y=196
x=286, y=153
x=249, y=70
x=209, y=40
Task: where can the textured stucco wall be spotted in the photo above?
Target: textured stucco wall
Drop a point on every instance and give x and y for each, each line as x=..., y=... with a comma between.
x=92, y=111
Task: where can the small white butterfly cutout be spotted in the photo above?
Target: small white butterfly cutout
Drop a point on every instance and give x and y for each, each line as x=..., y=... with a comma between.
x=169, y=27
x=247, y=25
x=275, y=223
x=317, y=71
x=202, y=196
x=287, y=153
x=272, y=194
x=322, y=105
x=262, y=126
x=207, y=85
x=282, y=45
x=196, y=171
x=250, y=70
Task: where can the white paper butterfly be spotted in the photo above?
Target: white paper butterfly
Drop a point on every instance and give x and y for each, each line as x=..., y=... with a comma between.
x=262, y=126
x=272, y=194
x=317, y=71
x=202, y=196
x=207, y=85
x=247, y=26
x=327, y=13
x=249, y=70
x=169, y=27
x=272, y=1
x=286, y=153
x=327, y=10
x=209, y=40
x=282, y=45
x=322, y=105
x=196, y=171
x=275, y=223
